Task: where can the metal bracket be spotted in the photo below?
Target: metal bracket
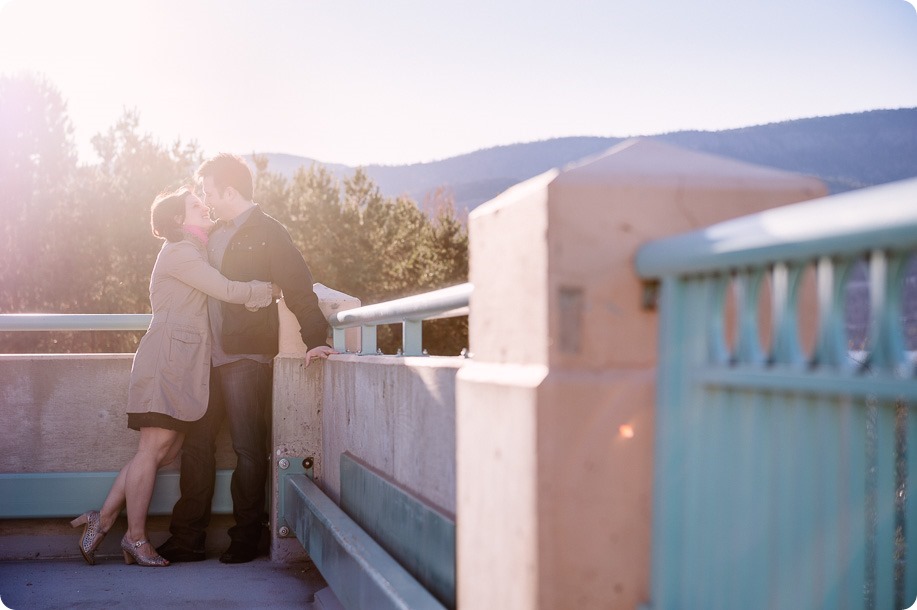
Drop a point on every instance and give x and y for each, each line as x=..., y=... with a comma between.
x=286, y=467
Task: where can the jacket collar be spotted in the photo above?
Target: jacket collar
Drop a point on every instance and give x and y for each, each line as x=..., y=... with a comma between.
x=253, y=215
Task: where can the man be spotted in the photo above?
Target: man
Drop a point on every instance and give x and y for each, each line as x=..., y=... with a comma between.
x=246, y=245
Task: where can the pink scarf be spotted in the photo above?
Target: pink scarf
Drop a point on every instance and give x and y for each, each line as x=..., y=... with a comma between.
x=198, y=232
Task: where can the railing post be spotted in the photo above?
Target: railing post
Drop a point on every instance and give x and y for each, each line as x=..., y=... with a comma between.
x=410, y=312
x=368, y=339
x=412, y=338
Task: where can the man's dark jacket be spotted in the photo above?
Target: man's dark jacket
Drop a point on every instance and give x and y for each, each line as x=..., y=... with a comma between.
x=262, y=249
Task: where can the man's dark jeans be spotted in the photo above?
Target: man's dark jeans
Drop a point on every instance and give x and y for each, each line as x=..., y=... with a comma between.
x=240, y=392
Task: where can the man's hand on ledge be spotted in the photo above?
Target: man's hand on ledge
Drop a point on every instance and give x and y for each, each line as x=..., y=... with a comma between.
x=319, y=353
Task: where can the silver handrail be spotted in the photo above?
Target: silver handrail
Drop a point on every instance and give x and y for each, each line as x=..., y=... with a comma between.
x=410, y=311
x=74, y=321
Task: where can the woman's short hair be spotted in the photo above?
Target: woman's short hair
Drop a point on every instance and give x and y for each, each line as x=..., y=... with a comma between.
x=167, y=214
x=228, y=170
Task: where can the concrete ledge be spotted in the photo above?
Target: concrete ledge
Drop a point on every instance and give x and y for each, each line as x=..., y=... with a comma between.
x=358, y=570
x=396, y=415
x=65, y=413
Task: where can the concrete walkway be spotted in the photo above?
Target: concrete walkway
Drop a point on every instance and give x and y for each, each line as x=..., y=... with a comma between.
x=70, y=583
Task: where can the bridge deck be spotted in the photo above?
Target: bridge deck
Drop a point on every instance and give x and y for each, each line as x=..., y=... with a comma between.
x=69, y=583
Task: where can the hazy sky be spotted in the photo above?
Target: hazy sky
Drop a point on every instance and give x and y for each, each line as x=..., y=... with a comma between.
x=398, y=81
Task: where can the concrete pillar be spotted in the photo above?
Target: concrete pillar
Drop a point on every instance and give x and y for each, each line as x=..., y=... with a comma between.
x=554, y=413
x=297, y=406
x=331, y=302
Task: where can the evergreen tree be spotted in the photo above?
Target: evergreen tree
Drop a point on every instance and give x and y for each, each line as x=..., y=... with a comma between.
x=271, y=189
x=78, y=237
x=37, y=166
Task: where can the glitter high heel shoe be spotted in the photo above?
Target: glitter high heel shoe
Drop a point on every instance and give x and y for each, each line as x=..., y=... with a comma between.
x=93, y=534
x=132, y=554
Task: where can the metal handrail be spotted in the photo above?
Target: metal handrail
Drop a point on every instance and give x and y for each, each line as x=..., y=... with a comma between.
x=878, y=217
x=74, y=321
x=410, y=311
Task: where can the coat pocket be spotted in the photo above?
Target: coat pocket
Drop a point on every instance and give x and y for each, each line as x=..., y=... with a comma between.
x=184, y=345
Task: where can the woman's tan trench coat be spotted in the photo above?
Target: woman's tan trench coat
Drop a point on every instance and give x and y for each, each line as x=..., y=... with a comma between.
x=171, y=369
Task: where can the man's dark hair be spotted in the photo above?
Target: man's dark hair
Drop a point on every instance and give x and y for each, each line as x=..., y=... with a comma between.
x=228, y=170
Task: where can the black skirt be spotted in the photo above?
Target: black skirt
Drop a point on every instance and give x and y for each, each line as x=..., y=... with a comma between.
x=135, y=421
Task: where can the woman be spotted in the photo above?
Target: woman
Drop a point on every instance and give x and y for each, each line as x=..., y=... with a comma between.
x=169, y=383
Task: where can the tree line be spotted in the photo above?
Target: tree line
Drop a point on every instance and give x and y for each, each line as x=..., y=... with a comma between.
x=76, y=237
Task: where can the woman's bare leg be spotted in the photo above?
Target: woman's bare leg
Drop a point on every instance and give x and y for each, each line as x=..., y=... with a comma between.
x=114, y=502
x=140, y=475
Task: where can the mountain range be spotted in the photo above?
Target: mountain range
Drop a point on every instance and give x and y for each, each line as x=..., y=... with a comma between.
x=847, y=151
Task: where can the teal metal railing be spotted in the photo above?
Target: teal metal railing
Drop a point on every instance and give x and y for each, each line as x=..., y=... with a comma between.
x=361, y=572
x=363, y=568
x=409, y=311
x=785, y=474
x=42, y=495
x=43, y=501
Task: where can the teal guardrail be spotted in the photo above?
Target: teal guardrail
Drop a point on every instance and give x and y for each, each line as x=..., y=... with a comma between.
x=417, y=535
x=43, y=495
x=785, y=474
x=362, y=574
